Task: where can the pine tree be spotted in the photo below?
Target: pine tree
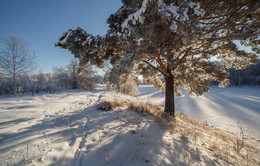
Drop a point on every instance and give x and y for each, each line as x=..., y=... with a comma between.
x=177, y=39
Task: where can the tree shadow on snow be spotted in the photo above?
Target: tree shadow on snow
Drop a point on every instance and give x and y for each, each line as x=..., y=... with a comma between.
x=101, y=138
x=40, y=137
x=120, y=138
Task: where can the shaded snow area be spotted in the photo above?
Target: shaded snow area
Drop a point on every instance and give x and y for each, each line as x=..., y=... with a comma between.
x=66, y=128
x=221, y=107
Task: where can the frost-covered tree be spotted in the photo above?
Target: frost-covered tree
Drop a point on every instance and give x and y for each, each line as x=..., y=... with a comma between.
x=70, y=77
x=16, y=59
x=177, y=39
x=112, y=78
x=121, y=80
x=129, y=84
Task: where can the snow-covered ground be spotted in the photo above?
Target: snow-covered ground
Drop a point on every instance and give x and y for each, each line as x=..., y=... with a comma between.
x=65, y=128
x=221, y=107
x=31, y=127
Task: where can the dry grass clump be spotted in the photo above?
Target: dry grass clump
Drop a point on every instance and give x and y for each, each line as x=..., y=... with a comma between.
x=148, y=108
x=140, y=107
x=190, y=133
x=214, y=145
x=163, y=119
x=223, y=135
x=192, y=121
x=187, y=125
x=109, y=105
x=117, y=103
x=188, y=120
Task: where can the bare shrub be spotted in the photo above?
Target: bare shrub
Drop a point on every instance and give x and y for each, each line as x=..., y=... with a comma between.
x=240, y=139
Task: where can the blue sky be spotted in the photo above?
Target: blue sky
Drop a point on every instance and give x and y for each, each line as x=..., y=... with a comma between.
x=40, y=23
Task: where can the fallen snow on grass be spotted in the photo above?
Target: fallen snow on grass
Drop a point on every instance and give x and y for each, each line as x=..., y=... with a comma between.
x=67, y=129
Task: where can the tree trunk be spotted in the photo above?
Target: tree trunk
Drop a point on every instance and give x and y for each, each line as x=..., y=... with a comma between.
x=14, y=83
x=169, y=94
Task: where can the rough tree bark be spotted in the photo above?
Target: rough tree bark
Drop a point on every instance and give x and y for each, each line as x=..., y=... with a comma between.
x=169, y=94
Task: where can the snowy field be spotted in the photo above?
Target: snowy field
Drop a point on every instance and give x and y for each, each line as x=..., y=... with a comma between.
x=221, y=107
x=65, y=128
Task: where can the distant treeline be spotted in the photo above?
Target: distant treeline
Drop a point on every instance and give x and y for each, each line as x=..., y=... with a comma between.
x=249, y=76
x=66, y=77
x=246, y=77
x=46, y=83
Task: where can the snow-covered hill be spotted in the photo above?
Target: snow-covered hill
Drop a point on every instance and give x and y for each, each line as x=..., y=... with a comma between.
x=221, y=107
x=66, y=128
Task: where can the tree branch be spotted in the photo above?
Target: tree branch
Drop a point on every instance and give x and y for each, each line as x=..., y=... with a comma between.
x=212, y=8
x=155, y=68
x=230, y=16
x=158, y=53
x=203, y=3
x=186, y=54
x=230, y=37
x=160, y=62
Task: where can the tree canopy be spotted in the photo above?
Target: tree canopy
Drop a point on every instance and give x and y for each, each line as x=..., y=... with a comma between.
x=177, y=39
